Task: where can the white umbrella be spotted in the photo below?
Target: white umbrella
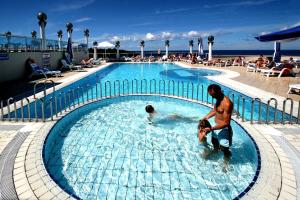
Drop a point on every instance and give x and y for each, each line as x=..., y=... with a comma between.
x=104, y=45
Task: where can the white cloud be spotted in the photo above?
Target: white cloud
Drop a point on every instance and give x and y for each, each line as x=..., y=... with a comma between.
x=176, y=10
x=243, y=3
x=149, y=37
x=84, y=19
x=115, y=38
x=193, y=34
x=73, y=5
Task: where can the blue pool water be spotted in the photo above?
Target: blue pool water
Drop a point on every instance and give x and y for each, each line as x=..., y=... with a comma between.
x=145, y=71
x=108, y=150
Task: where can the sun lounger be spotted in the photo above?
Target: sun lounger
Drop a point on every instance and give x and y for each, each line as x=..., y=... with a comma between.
x=275, y=72
x=69, y=66
x=97, y=61
x=251, y=67
x=37, y=71
x=293, y=87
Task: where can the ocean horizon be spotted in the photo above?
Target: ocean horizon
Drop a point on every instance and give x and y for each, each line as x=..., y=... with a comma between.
x=228, y=52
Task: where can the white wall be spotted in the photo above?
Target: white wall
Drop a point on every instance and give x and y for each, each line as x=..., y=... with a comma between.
x=14, y=67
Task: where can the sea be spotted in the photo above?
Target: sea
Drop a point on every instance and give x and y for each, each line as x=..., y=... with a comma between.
x=227, y=52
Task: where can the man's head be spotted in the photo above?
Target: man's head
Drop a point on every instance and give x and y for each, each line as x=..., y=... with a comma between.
x=215, y=91
x=149, y=109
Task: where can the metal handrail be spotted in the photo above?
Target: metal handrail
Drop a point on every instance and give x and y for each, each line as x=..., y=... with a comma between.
x=127, y=83
x=173, y=83
x=105, y=88
x=43, y=82
x=268, y=110
x=8, y=107
x=259, y=109
x=142, y=84
x=291, y=110
x=159, y=88
x=152, y=80
x=35, y=110
x=188, y=89
x=119, y=90
x=184, y=90
x=2, y=111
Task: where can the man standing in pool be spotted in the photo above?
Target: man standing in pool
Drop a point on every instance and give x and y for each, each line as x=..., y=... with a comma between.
x=222, y=131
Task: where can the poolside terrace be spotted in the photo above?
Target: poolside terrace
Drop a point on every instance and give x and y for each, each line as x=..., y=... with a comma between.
x=279, y=144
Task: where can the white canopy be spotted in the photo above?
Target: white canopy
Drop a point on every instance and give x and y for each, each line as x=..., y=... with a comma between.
x=105, y=45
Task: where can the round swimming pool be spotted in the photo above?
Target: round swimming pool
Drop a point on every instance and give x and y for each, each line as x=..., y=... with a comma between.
x=108, y=149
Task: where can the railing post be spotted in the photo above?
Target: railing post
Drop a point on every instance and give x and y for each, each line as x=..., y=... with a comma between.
x=159, y=88
x=28, y=108
x=298, y=117
x=259, y=109
x=268, y=110
x=2, y=112
x=73, y=95
x=202, y=93
x=243, y=109
x=22, y=110
x=127, y=84
x=55, y=104
x=15, y=111
x=291, y=110
x=105, y=85
x=51, y=108
x=152, y=80
x=142, y=81
x=8, y=107
x=87, y=92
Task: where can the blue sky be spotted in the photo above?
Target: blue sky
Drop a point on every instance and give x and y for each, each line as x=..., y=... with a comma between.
x=233, y=23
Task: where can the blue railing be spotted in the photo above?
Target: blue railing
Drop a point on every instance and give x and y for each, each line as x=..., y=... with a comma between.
x=55, y=104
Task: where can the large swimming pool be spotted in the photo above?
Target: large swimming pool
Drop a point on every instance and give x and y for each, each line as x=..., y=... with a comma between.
x=131, y=76
x=109, y=150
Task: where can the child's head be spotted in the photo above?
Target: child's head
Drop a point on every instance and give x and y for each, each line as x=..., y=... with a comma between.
x=149, y=109
x=203, y=124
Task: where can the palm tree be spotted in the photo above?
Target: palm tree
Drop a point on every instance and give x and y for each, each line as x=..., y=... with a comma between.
x=8, y=37
x=86, y=34
x=69, y=26
x=191, y=44
x=200, y=46
x=210, y=44
x=59, y=35
x=167, y=44
x=142, y=45
x=117, y=45
x=95, y=43
x=33, y=34
x=42, y=17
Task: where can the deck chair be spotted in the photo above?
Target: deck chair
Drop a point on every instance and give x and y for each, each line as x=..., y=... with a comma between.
x=38, y=71
x=275, y=72
x=69, y=66
x=97, y=61
x=294, y=87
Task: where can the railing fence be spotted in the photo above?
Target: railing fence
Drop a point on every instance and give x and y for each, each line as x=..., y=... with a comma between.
x=49, y=107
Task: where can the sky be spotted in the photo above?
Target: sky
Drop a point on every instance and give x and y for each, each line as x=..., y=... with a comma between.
x=233, y=23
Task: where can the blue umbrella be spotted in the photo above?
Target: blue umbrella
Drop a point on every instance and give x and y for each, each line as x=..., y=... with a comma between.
x=280, y=35
x=277, y=54
x=69, y=51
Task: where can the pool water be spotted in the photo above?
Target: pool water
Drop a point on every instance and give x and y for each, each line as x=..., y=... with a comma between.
x=108, y=149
